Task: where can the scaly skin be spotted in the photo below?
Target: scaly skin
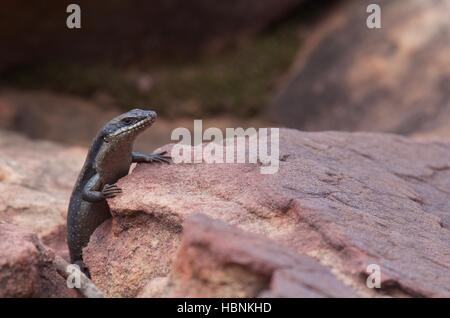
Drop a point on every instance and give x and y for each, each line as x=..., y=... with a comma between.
x=108, y=160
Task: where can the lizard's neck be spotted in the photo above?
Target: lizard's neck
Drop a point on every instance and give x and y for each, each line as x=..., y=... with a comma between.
x=113, y=159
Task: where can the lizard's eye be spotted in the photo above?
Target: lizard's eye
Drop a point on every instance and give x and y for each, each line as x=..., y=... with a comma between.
x=127, y=121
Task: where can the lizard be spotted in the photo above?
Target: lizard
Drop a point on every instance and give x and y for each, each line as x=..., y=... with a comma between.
x=109, y=159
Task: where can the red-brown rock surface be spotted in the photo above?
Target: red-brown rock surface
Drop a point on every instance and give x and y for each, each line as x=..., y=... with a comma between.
x=26, y=270
x=347, y=200
x=36, y=179
x=219, y=260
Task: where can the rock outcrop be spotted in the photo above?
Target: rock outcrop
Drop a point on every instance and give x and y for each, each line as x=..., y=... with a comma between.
x=218, y=260
x=395, y=79
x=25, y=269
x=346, y=200
x=36, y=179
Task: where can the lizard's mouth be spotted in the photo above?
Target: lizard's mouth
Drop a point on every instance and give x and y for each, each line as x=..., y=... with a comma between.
x=140, y=125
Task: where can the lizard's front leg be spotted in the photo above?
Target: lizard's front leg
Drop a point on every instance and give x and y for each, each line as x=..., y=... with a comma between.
x=140, y=157
x=108, y=191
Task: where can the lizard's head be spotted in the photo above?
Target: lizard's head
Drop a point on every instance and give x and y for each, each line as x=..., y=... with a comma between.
x=128, y=125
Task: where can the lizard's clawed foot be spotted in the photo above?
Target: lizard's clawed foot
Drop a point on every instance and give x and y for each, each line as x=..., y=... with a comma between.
x=160, y=157
x=111, y=191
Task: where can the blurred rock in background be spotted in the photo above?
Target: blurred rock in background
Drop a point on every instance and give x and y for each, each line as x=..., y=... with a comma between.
x=394, y=79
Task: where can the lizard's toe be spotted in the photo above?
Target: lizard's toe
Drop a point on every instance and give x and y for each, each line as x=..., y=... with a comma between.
x=160, y=158
x=111, y=195
x=111, y=190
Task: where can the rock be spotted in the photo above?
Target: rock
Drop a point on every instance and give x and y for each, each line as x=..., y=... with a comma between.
x=36, y=179
x=25, y=270
x=67, y=119
x=122, y=260
x=394, y=79
x=76, y=121
x=121, y=31
x=218, y=260
x=346, y=199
